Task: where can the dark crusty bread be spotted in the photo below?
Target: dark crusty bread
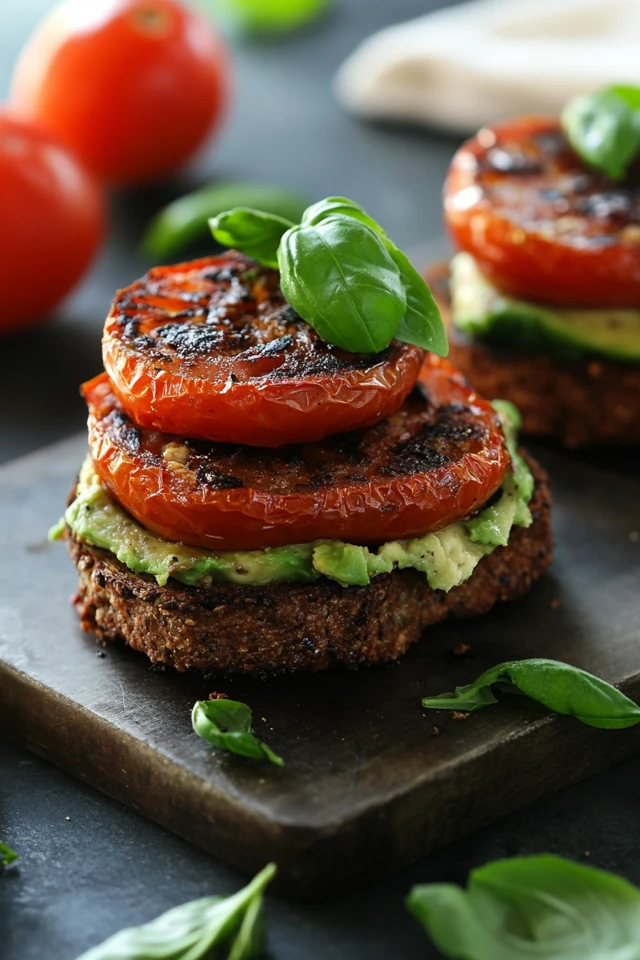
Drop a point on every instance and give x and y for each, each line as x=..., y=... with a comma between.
x=290, y=626
x=582, y=403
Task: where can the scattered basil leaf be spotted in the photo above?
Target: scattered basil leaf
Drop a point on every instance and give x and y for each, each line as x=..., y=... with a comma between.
x=339, y=277
x=252, y=232
x=7, y=855
x=557, y=686
x=185, y=220
x=229, y=928
x=539, y=906
x=421, y=324
x=227, y=724
x=267, y=16
x=604, y=128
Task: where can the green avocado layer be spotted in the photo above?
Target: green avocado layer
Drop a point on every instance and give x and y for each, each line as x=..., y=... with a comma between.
x=482, y=312
x=447, y=557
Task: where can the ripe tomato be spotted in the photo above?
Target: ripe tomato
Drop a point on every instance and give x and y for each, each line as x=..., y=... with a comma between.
x=541, y=225
x=131, y=86
x=211, y=350
x=51, y=222
x=435, y=460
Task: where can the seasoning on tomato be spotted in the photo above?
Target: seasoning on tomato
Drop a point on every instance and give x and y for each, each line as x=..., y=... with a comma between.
x=540, y=223
x=51, y=225
x=211, y=350
x=131, y=86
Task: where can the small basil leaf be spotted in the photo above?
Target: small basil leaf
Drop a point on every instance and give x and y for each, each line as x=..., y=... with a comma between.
x=604, y=128
x=339, y=277
x=267, y=16
x=185, y=220
x=7, y=855
x=557, y=686
x=422, y=324
x=252, y=232
x=227, y=724
x=339, y=205
x=230, y=927
x=539, y=906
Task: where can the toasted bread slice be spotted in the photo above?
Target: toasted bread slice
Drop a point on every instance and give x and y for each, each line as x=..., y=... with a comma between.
x=582, y=403
x=290, y=626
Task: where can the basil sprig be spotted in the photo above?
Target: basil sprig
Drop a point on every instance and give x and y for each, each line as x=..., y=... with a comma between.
x=557, y=686
x=342, y=274
x=604, y=128
x=7, y=855
x=227, y=724
x=228, y=928
x=540, y=906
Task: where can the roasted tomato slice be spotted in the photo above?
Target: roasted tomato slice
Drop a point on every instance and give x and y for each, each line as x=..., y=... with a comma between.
x=433, y=461
x=210, y=349
x=541, y=225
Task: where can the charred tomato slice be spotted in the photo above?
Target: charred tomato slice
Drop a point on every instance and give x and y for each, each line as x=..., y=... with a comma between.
x=542, y=225
x=210, y=349
x=437, y=459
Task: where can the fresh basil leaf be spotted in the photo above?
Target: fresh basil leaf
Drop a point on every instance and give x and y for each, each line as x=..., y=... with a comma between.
x=339, y=277
x=557, y=686
x=185, y=220
x=527, y=907
x=7, y=855
x=227, y=724
x=422, y=324
x=331, y=206
x=267, y=16
x=229, y=928
x=604, y=128
x=252, y=232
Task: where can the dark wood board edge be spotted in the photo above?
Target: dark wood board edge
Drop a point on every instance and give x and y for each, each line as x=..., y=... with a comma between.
x=541, y=757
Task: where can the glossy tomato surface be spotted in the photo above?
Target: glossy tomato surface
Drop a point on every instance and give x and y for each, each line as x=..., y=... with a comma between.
x=541, y=225
x=131, y=86
x=51, y=222
x=210, y=349
x=437, y=459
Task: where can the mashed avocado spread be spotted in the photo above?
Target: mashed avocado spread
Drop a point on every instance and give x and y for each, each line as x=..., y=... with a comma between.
x=481, y=311
x=447, y=557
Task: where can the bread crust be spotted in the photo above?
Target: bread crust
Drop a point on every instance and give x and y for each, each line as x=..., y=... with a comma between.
x=289, y=626
x=583, y=403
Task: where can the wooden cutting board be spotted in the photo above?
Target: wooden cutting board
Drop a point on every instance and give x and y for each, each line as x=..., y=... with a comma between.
x=368, y=786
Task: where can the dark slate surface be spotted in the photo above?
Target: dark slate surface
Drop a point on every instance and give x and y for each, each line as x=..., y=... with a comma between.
x=81, y=879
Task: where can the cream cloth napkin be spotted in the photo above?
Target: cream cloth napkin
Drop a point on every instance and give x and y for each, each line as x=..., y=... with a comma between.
x=476, y=63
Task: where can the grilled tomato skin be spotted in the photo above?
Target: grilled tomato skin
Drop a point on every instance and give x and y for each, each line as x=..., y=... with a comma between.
x=436, y=460
x=51, y=225
x=541, y=225
x=131, y=86
x=211, y=350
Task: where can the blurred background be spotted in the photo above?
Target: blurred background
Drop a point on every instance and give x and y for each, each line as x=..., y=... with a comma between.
x=283, y=126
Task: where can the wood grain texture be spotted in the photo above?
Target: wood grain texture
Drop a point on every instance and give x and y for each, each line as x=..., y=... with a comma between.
x=367, y=787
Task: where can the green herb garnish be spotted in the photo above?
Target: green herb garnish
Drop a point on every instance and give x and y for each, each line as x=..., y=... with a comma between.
x=557, y=686
x=541, y=907
x=267, y=16
x=341, y=274
x=185, y=220
x=7, y=855
x=227, y=724
x=228, y=928
x=604, y=128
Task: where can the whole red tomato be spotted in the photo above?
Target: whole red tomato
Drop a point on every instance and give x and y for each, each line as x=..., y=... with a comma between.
x=51, y=222
x=131, y=86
